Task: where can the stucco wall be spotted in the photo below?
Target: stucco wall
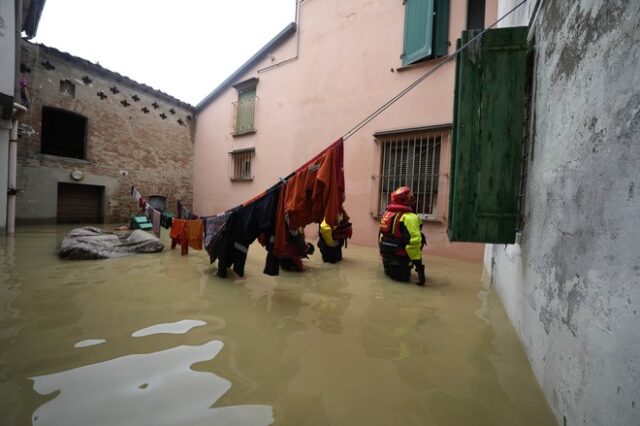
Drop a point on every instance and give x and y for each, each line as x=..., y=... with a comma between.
x=347, y=66
x=124, y=145
x=572, y=285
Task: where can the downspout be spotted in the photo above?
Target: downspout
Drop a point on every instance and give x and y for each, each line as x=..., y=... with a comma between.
x=295, y=57
x=12, y=191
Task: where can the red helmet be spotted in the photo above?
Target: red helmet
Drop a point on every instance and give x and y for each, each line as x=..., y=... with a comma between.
x=403, y=196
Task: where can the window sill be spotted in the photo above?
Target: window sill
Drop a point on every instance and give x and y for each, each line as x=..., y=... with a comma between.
x=247, y=132
x=241, y=179
x=72, y=160
x=431, y=219
x=430, y=61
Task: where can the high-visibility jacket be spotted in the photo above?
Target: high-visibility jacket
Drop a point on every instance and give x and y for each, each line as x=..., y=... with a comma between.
x=400, y=233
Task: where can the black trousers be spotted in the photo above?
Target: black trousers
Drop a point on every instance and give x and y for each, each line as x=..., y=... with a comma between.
x=330, y=254
x=397, y=267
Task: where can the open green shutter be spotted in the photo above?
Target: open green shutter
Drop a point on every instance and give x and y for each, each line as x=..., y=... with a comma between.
x=418, y=30
x=441, y=28
x=489, y=113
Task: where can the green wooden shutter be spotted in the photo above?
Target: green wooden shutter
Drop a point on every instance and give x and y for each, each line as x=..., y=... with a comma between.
x=489, y=114
x=441, y=28
x=418, y=30
x=245, y=110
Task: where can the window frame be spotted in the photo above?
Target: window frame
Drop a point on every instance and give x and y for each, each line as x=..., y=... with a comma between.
x=434, y=138
x=238, y=160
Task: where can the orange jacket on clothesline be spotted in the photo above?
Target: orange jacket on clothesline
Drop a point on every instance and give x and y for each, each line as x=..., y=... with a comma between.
x=314, y=193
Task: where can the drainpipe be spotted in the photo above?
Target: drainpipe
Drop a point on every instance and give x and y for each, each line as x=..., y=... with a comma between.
x=18, y=111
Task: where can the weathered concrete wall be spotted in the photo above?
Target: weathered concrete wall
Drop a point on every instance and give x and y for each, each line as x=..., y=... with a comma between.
x=572, y=285
x=125, y=145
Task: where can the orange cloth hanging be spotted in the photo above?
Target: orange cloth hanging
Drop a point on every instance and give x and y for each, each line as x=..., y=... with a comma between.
x=314, y=193
x=179, y=235
x=195, y=233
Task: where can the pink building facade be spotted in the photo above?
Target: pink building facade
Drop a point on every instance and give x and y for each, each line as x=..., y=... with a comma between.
x=312, y=84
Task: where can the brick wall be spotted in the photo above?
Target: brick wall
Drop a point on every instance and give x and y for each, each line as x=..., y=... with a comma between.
x=125, y=145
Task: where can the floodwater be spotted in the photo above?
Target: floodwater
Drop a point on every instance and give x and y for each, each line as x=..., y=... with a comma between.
x=159, y=339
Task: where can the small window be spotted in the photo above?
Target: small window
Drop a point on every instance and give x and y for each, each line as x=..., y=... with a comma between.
x=244, y=108
x=241, y=164
x=426, y=30
x=67, y=88
x=411, y=160
x=63, y=133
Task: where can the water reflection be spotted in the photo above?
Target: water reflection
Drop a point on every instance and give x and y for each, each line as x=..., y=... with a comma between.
x=89, y=342
x=179, y=327
x=158, y=388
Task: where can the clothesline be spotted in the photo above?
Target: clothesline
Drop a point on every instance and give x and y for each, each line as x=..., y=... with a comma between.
x=152, y=214
x=312, y=193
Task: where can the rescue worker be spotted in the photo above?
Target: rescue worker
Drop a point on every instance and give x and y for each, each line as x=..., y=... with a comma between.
x=400, y=238
x=331, y=239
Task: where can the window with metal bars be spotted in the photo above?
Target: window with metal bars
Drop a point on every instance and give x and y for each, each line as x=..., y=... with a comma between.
x=240, y=164
x=413, y=161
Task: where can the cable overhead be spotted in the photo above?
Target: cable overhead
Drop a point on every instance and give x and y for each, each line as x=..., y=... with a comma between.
x=407, y=89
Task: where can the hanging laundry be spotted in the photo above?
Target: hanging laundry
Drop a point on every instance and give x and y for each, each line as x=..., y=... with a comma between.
x=165, y=220
x=314, y=193
x=179, y=236
x=155, y=222
x=184, y=212
x=295, y=249
x=214, y=228
x=148, y=211
x=195, y=230
x=250, y=220
x=136, y=194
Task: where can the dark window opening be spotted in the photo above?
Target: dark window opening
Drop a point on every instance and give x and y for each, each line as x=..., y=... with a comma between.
x=67, y=88
x=63, y=133
x=475, y=14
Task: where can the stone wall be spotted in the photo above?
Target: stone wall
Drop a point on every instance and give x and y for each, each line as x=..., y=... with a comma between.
x=572, y=285
x=135, y=136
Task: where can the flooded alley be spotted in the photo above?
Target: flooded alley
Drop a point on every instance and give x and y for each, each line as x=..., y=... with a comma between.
x=160, y=339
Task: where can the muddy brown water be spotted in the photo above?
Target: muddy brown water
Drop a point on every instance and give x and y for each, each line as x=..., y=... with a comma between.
x=159, y=339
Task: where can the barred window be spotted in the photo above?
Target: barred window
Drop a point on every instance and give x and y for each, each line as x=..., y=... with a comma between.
x=411, y=160
x=240, y=164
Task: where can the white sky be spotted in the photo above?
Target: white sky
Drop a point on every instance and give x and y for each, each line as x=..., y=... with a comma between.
x=182, y=47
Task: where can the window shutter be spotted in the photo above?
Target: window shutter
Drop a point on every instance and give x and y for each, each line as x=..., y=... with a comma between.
x=245, y=109
x=418, y=30
x=441, y=28
x=489, y=113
